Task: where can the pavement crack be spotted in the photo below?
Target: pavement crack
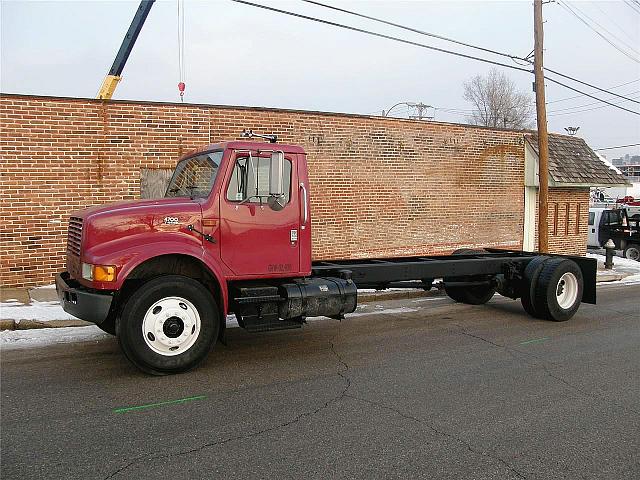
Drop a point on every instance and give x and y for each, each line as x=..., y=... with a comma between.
x=541, y=363
x=442, y=433
x=344, y=368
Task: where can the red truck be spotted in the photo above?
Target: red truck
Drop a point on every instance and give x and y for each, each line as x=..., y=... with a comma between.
x=233, y=235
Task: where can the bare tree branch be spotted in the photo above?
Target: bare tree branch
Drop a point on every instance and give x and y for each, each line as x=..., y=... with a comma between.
x=497, y=102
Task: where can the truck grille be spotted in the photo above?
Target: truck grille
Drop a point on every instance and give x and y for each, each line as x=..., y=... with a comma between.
x=74, y=238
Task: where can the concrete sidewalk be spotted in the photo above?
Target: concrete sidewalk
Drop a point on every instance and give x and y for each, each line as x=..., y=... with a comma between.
x=43, y=301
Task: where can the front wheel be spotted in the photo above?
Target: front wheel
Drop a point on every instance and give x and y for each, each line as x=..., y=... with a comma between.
x=632, y=252
x=168, y=325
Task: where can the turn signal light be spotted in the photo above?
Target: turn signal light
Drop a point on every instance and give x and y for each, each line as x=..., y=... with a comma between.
x=98, y=273
x=104, y=273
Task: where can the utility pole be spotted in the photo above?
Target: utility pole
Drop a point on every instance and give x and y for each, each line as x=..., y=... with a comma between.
x=543, y=140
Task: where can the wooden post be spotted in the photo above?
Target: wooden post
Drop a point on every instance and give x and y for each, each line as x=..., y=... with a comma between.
x=543, y=141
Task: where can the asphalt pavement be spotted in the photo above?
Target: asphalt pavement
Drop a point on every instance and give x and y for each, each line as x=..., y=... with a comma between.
x=412, y=388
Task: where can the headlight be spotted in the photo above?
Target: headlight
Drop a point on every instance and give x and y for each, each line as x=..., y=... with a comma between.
x=98, y=273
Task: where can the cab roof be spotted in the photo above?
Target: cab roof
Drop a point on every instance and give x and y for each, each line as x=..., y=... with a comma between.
x=245, y=145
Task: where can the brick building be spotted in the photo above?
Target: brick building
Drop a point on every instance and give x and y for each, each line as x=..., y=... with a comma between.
x=380, y=186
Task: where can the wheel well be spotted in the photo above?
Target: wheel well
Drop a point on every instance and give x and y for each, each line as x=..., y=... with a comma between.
x=174, y=264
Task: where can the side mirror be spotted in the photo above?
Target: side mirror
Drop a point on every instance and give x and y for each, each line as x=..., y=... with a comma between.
x=276, y=172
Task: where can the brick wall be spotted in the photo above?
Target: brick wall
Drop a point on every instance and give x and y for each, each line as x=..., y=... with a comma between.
x=380, y=187
x=568, y=220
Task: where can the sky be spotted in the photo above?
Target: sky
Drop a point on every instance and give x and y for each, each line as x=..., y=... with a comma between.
x=240, y=55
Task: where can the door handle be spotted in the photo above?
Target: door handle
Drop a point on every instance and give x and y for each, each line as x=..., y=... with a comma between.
x=305, y=207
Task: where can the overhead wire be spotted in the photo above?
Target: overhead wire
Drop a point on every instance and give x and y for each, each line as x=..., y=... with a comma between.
x=495, y=52
x=380, y=35
x=591, y=96
x=591, y=27
x=442, y=50
x=618, y=146
x=578, y=96
x=585, y=15
x=609, y=17
x=633, y=6
x=590, y=104
x=414, y=30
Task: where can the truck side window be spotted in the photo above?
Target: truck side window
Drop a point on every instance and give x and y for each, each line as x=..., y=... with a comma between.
x=592, y=217
x=250, y=180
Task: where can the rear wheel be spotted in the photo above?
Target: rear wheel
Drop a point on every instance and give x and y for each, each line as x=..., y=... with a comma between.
x=531, y=273
x=472, y=295
x=632, y=252
x=558, y=290
x=168, y=325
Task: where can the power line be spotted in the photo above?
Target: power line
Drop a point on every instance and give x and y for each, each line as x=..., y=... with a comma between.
x=578, y=96
x=589, y=104
x=632, y=6
x=415, y=30
x=381, y=35
x=592, y=86
x=582, y=12
x=573, y=12
x=495, y=52
x=610, y=18
x=619, y=146
x=442, y=50
x=591, y=96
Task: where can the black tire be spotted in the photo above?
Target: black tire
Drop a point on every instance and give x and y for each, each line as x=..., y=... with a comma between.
x=530, y=274
x=632, y=252
x=551, y=283
x=130, y=325
x=475, y=295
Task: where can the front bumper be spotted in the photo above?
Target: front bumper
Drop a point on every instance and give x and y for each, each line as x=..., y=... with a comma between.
x=80, y=302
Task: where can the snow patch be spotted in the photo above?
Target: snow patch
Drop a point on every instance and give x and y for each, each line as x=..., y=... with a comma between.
x=41, y=311
x=617, y=261
x=388, y=311
x=41, y=337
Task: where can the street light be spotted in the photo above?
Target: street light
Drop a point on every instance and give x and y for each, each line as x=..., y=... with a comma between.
x=572, y=130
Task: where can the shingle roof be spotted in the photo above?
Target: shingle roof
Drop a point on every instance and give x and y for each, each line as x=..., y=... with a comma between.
x=571, y=161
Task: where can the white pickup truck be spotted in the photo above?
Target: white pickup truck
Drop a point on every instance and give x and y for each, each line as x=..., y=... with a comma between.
x=614, y=224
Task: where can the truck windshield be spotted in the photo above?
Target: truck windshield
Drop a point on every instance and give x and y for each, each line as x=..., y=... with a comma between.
x=194, y=176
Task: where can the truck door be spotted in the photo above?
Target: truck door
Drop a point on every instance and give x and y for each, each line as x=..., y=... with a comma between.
x=258, y=236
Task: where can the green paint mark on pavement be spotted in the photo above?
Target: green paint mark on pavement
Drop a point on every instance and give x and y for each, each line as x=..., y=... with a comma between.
x=158, y=404
x=535, y=340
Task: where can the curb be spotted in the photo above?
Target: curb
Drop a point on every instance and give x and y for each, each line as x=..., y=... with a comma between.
x=37, y=324
x=610, y=277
